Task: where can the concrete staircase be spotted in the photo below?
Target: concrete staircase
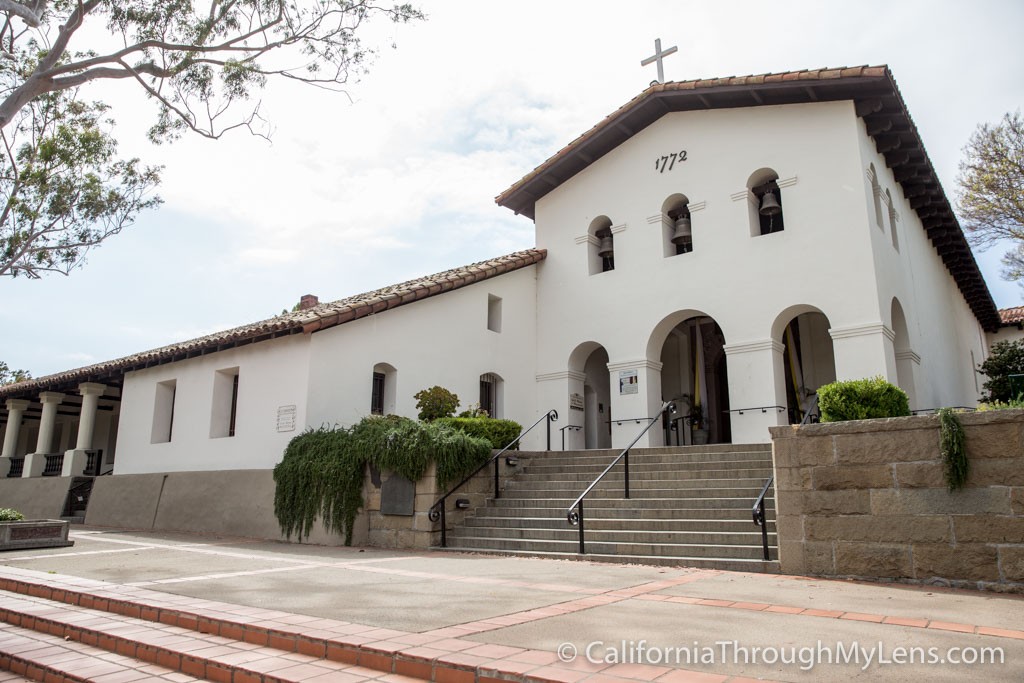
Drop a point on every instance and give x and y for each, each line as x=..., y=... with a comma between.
x=688, y=506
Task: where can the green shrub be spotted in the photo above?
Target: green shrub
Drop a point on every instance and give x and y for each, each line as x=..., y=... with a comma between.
x=1006, y=358
x=1014, y=404
x=951, y=445
x=435, y=403
x=9, y=515
x=321, y=474
x=861, y=399
x=498, y=432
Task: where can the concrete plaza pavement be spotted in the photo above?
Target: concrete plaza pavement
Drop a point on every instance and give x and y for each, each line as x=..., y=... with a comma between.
x=602, y=621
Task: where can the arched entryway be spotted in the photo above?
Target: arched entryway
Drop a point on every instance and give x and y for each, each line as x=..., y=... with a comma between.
x=590, y=360
x=694, y=375
x=905, y=356
x=808, y=357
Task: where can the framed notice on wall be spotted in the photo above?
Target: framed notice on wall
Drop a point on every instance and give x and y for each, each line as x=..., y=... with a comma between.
x=629, y=383
x=576, y=402
x=286, y=419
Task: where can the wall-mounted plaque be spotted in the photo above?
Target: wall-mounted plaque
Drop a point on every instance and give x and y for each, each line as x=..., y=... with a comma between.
x=576, y=402
x=286, y=418
x=629, y=383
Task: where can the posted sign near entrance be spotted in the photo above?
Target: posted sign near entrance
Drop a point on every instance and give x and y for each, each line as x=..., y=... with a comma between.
x=628, y=382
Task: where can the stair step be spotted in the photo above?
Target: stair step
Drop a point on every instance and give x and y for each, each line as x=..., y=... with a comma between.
x=642, y=492
x=47, y=657
x=731, y=515
x=570, y=544
x=646, y=471
x=735, y=564
x=599, y=534
x=192, y=652
x=629, y=504
x=621, y=524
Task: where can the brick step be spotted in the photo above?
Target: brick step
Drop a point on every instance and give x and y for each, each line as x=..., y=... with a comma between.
x=636, y=550
x=247, y=644
x=599, y=534
x=487, y=520
x=54, y=659
x=176, y=649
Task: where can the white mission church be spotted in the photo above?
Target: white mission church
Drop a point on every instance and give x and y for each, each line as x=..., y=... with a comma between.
x=731, y=244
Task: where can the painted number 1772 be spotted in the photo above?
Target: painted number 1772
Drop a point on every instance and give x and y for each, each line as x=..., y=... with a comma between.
x=668, y=162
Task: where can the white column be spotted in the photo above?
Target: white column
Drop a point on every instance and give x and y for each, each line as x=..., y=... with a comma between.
x=76, y=460
x=756, y=386
x=639, y=400
x=562, y=391
x=15, y=411
x=35, y=462
x=864, y=351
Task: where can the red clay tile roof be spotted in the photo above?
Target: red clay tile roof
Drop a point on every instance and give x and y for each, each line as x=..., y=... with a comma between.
x=1012, y=316
x=317, y=318
x=877, y=100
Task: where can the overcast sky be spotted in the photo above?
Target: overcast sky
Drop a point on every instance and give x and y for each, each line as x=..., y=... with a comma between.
x=399, y=181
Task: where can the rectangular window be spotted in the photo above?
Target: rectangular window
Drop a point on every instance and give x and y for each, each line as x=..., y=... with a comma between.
x=377, y=394
x=234, y=406
x=487, y=397
x=163, y=411
x=224, y=410
x=493, y=313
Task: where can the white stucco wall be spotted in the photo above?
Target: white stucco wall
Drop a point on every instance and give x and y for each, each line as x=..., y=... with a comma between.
x=443, y=340
x=751, y=286
x=271, y=374
x=1008, y=333
x=945, y=339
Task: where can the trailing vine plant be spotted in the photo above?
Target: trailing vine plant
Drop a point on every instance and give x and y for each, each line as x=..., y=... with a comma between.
x=322, y=472
x=951, y=445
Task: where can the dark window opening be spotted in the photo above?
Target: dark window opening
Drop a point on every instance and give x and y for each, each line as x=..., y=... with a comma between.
x=234, y=406
x=487, y=397
x=377, y=395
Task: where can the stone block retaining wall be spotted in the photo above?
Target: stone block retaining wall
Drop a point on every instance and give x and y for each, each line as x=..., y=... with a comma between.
x=869, y=499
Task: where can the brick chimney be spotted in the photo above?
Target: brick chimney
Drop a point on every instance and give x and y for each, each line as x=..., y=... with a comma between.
x=307, y=302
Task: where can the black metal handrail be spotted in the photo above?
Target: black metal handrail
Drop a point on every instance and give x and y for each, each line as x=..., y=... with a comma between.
x=575, y=512
x=562, y=430
x=758, y=511
x=809, y=414
x=437, y=510
x=763, y=409
x=619, y=422
x=678, y=429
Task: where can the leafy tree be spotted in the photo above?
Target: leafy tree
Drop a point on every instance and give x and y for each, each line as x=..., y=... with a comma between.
x=436, y=402
x=65, y=189
x=991, y=189
x=8, y=376
x=1007, y=358
x=200, y=64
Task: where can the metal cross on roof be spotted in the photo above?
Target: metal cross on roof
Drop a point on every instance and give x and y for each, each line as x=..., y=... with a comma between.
x=657, y=57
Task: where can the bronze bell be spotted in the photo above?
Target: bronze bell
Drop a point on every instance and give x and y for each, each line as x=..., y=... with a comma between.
x=683, y=231
x=770, y=204
x=605, y=249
